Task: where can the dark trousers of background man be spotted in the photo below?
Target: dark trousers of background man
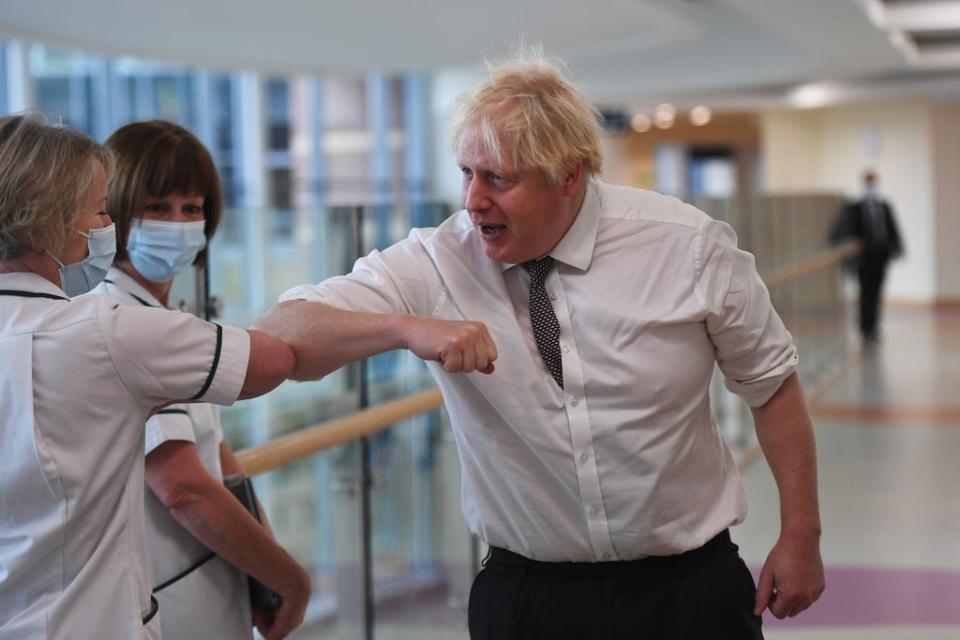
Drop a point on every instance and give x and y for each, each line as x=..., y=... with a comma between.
x=705, y=594
x=871, y=272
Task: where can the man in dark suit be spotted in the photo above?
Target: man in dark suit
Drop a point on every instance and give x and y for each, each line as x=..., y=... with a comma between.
x=871, y=221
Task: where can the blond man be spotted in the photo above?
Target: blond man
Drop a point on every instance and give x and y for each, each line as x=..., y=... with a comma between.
x=592, y=465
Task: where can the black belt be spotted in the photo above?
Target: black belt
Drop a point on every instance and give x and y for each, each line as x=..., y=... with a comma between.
x=719, y=546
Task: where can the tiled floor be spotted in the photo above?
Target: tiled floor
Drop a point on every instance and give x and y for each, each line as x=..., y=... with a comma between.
x=888, y=440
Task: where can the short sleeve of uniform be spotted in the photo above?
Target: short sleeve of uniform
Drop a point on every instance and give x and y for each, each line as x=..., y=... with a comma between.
x=395, y=280
x=170, y=423
x=164, y=355
x=754, y=350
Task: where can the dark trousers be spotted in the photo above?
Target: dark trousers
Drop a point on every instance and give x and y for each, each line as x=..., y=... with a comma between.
x=871, y=272
x=704, y=594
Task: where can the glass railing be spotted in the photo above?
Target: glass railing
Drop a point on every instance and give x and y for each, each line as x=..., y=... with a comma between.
x=377, y=520
x=395, y=493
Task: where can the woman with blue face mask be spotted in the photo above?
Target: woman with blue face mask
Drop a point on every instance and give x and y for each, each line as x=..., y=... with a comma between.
x=79, y=379
x=166, y=197
x=167, y=192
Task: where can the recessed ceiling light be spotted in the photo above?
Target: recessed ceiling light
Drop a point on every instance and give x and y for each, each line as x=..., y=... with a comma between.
x=700, y=115
x=665, y=115
x=640, y=122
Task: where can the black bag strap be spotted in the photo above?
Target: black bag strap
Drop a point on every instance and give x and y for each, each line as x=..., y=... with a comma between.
x=183, y=574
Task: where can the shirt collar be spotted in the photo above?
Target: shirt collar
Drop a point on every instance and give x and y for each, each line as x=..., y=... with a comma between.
x=130, y=286
x=28, y=281
x=576, y=246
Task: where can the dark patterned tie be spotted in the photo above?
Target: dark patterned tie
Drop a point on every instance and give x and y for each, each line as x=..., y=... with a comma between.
x=546, y=329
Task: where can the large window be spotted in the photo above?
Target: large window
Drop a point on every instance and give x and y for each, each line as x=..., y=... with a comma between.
x=338, y=139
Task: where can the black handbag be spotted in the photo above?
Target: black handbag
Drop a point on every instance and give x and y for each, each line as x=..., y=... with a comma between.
x=261, y=596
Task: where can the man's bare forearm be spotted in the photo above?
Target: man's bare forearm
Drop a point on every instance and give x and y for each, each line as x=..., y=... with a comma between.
x=324, y=338
x=786, y=436
x=792, y=577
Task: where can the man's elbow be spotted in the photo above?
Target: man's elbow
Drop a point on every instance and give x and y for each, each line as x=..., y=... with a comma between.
x=280, y=320
x=271, y=362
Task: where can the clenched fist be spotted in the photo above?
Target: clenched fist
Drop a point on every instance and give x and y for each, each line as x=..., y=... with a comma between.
x=459, y=346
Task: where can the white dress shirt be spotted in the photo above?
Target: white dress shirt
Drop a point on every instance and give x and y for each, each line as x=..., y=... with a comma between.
x=213, y=601
x=79, y=380
x=626, y=461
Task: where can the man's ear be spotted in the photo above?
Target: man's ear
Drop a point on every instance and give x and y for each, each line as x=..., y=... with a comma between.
x=572, y=180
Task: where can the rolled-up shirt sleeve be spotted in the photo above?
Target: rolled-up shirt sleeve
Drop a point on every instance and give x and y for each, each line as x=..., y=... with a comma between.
x=163, y=355
x=754, y=350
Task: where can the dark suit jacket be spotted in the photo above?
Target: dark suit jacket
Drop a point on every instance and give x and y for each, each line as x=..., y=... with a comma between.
x=853, y=223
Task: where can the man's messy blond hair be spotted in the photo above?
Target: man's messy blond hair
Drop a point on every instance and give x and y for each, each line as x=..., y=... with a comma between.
x=529, y=105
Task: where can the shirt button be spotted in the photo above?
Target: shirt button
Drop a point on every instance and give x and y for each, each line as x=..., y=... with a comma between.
x=592, y=510
x=566, y=349
x=553, y=294
x=583, y=457
x=574, y=401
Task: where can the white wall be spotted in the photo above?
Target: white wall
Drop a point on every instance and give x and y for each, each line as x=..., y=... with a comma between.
x=828, y=149
x=790, y=145
x=946, y=137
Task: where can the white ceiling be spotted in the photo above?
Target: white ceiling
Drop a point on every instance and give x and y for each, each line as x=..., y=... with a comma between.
x=622, y=51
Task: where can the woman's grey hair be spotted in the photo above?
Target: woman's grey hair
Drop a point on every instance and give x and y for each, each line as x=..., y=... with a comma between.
x=46, y=171
x=527, y=103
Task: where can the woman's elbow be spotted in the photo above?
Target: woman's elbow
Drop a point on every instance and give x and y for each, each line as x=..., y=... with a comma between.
x=180, y=498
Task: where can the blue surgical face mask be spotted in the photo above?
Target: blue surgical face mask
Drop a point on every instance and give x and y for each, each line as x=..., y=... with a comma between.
x=161, y=250
x=81, y=277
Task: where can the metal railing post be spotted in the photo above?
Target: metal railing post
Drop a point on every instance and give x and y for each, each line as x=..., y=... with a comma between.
x=366, y=480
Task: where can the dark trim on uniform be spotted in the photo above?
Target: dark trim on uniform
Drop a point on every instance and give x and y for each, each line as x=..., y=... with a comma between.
x=142, y=301
x=131, y=294
x=154, y=607
x=31, y=294
x=183, y=574
x=216, y=362
x=167, y=412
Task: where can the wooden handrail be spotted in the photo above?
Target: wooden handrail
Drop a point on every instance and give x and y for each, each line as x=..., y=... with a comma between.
x=309, y=440
x=816, y=262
